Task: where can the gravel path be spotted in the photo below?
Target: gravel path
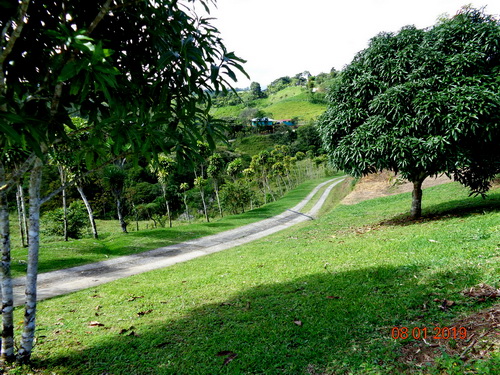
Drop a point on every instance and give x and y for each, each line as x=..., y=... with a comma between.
x=65, y=281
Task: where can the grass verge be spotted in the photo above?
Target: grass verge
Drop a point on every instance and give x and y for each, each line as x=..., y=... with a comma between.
x=112, y=243
x=318, y=298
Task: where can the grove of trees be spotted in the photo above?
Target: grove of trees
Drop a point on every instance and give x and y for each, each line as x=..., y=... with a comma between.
x=140, y=74
x=421, y=103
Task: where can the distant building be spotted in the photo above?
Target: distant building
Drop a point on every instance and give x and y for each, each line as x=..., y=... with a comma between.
x=264, y=121
x=288, y=122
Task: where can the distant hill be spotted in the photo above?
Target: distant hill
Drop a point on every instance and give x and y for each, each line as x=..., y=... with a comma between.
x=294, y=102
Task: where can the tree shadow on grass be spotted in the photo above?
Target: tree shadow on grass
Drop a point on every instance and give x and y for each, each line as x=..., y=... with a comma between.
x=449, y=210
x=19, y=268
x=335, y=322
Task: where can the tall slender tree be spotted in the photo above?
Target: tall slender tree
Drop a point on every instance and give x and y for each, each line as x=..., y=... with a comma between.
x=114, y=178
x=200, y=183
x=184, y=187
x=140, y=72
x=163, y=167
x=215, y=170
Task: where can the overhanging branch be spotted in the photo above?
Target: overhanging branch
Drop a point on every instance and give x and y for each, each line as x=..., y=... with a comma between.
x=102, y=13
x=80, y=177
x=18, y=173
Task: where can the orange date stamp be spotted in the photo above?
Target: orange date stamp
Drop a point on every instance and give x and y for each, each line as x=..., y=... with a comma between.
x=437, y=333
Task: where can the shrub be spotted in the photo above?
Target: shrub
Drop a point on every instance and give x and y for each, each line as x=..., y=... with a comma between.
x=235, y=196
x=53, y=221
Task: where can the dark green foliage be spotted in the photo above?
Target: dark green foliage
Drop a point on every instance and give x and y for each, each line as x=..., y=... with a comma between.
x=421, y=103
x=235, y=196
x=283, y=135
x=143, y=192
x=78, y=221
x=308, y=139
x=279, y=84
x=114, y=178
x=256, y=91
x=142, y=77
x=249, y=113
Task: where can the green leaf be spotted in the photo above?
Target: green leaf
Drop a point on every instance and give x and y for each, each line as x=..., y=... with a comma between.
x=68, y=71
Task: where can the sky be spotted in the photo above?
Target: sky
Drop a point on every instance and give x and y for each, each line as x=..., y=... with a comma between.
x=285, y=37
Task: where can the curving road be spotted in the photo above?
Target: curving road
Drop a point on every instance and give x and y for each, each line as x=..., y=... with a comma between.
x=56, y=283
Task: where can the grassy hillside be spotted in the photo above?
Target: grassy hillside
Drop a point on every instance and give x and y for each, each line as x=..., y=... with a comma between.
x=319, y=298
x=253, y=144
x=285, y=104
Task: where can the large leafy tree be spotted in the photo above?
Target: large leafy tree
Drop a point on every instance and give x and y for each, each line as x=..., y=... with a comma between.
x=140, y=72
x=421, y=103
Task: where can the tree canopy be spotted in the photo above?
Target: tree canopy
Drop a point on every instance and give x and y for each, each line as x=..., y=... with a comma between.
x=139, y=72
x=132, y=69
x=421, y=103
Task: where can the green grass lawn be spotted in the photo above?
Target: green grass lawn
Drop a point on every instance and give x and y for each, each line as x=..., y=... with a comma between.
x=318, y=298
x=302, y=109
x=112, y=243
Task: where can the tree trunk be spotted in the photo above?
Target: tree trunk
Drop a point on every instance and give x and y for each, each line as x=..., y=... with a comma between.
x=7, y=351
x=269, y=189
x=62, y=174
x=23, y=210
x=89, y=210
x=169, y=214
x=187, y=208
x=263, y=191
x=204, y=204
x=216, y=187
x=416, y=203
x=164, y=189
x=21, y=216
x=123, y=224
x=28, y=334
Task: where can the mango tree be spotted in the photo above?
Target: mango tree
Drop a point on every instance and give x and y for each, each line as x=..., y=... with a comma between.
x=421, y=103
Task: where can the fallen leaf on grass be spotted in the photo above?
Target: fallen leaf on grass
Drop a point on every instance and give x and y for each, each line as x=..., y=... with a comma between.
x=298, y=322
x=444, y=303
x=229, y=356
x=96, y=324
x=482, y=291
x=142, y=313
x=133, y=298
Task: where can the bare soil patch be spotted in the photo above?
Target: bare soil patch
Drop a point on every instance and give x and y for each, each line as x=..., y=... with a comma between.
x=483, y=335
x=386, y=183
